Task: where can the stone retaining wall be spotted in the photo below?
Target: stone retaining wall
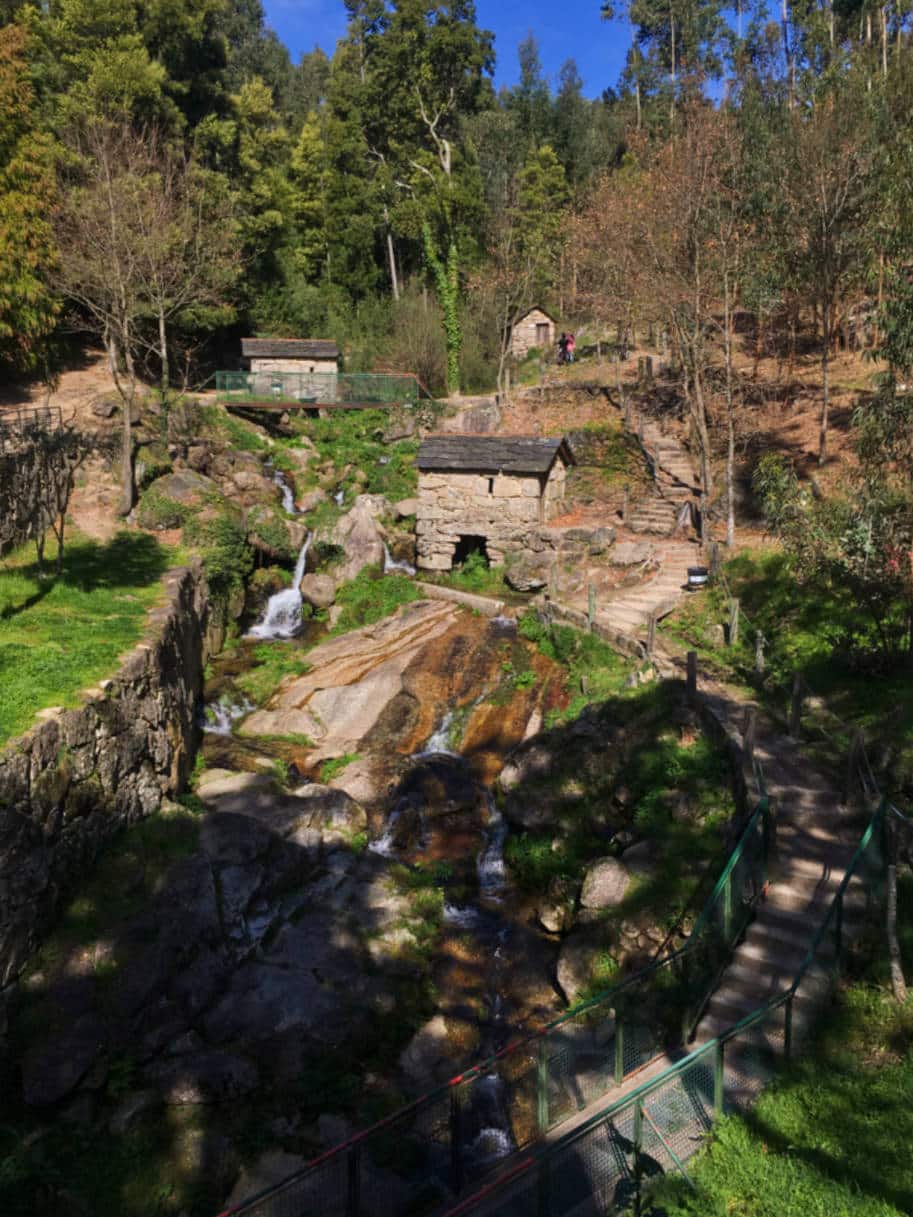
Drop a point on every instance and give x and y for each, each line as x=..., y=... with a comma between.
x=72, y=781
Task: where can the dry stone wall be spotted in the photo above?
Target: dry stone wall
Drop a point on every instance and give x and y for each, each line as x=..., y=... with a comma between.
x=71, y=782
x=505, y=509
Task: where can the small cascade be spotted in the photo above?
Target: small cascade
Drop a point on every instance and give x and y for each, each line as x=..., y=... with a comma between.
x=288, y=495
x=463, y=917
x=491, y=868
x=392, y=568
x=385, y=845
x=339, y=497
x=219, y=717
x=282, y=618
x=494, y=1139
x=439, y=741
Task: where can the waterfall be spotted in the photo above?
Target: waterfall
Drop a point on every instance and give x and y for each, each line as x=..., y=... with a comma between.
x=392, y=568
x=219, y=717
x=288, y=495
x=282, y=618
x=490, y=866
x=439, y=741
x=339, y=497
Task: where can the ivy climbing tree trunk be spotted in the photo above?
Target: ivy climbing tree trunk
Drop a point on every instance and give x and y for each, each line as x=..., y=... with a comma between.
x=447, y=285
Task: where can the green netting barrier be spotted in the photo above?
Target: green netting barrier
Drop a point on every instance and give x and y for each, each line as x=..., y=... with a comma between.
x=422, y=1157
x=602, y=1166
x=312, y=389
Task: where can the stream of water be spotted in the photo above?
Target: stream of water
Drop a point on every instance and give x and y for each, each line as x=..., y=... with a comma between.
x=391, y=567
x=282, y=617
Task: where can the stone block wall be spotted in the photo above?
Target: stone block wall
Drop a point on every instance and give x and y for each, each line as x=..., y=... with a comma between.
x=294, y=365
x=502, y=508
x=70, y=783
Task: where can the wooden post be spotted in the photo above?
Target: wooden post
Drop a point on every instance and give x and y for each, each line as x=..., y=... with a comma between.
x=759, y=643
x=733, y=621
x=749, y=732
x=716, y=561
x=651, y=635
x=626, y=490
x=692, y=676
x=852, y=760
x=591, y=607
x=656, y=465
x=795, y=707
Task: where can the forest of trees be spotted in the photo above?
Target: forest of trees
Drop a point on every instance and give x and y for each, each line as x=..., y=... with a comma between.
x=169, y=179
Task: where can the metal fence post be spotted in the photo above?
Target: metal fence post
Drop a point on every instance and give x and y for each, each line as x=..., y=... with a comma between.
x=719, y=1079
x=456, y=1140
x=727, y=909
x=619, y=1051
x=353, y=1185
x=542, y=1086
x=591, y=607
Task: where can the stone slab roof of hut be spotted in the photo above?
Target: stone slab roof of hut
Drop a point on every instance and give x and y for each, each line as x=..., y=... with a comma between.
x=491, y=453
x=289, y=348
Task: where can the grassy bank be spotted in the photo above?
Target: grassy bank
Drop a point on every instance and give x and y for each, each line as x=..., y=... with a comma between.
x=59, y=635
x=832, y=1138
x=820, y=632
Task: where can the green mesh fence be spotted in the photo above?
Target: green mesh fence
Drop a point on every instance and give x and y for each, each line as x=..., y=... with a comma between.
x=602, y=1166
x=318, y=388
x=448, y=1141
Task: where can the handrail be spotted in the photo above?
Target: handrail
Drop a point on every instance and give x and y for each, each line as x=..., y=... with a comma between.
x=838, y=896
x=713, y=1047
x=610, y=1000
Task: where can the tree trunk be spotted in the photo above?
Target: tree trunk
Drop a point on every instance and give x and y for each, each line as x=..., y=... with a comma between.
x=163, y=354
x=391, y=256
x=672, y=30
x=898, y=982
x=730, y=419
x=825, y=379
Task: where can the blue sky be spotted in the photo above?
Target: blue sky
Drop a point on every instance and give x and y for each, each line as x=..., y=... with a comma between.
x=565, y=29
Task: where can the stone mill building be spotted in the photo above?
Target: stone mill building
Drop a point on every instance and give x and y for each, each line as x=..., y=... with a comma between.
x=485, y=492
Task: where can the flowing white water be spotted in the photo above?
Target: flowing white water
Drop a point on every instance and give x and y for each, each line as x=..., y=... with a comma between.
x=391, y=567
x=282, y=618
x=494, y=1139
x=463, y=917
x=439, y=741
x=288, y=495
x=490, y=867
x=339, y=497
x=386, y=844
x=219, y=717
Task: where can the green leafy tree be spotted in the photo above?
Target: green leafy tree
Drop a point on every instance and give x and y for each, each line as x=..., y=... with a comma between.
x=28, y=307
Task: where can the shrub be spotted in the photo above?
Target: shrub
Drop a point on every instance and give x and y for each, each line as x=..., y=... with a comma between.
x=158, y=512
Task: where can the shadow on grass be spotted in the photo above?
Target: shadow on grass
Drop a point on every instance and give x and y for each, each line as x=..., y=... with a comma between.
x=130, y=559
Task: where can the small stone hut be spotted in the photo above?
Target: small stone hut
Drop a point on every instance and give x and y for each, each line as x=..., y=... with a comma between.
x=486, y=492
x=290, y=354
x=535, y=329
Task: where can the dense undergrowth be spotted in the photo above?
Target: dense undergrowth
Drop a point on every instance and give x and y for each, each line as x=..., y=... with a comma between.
x=60, y=634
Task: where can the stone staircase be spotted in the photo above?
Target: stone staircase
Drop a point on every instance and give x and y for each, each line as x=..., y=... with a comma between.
x=675, y=482
x=814, y=845
x=629, y=614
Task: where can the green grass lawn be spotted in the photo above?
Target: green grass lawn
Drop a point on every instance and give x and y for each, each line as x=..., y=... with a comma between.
x=833, y=1137
x=60, y=634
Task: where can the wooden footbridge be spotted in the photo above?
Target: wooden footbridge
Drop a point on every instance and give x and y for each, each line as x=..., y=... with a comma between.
x=280, y=392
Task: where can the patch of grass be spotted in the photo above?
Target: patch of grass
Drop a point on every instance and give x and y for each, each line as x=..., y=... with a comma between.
x=354, y=439
x=158, y=512
x=817, y=631
x=336, y=765
x=236, y=431
x=60, y=635
x=830, y=1139
x=272, y=662
x=371, y=596
x=474, y=575
x=594, y=670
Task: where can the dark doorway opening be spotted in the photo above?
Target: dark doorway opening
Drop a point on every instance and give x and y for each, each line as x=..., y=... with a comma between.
x=468, y=546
